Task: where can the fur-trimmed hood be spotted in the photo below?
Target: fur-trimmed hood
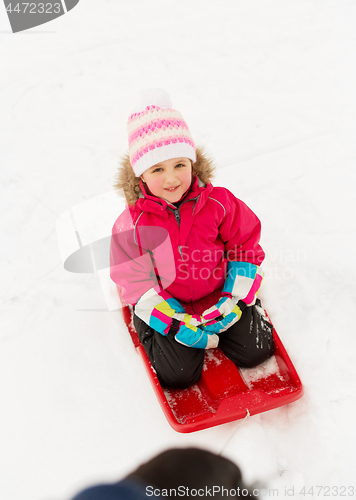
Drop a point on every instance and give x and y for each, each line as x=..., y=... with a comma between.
x=129, y=184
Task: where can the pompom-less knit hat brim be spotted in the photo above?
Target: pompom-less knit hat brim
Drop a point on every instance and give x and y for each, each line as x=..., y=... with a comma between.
x=157, y=133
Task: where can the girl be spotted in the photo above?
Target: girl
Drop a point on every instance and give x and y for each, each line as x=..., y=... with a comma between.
x=185, y=254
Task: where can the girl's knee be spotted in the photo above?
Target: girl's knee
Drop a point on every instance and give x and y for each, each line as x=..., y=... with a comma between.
x=261, y=343
x=179, y=379
x=257, y=356
x=178, y=366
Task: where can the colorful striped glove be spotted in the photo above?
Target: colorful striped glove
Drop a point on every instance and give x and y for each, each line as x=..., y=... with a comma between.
x=240, y=290
x=159, y=309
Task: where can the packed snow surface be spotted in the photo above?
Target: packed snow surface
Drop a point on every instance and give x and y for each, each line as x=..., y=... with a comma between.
x=268, y=87
x=262, y=371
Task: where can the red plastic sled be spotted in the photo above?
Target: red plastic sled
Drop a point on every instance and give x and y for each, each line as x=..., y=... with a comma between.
x=224, y=392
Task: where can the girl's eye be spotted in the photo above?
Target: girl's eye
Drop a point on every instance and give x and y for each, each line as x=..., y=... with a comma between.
x=180, y=165
x=157, y=170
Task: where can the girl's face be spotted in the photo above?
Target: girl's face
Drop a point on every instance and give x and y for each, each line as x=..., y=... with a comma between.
x=169, y=179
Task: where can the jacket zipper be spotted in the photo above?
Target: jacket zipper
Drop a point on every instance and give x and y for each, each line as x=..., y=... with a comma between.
x=176, y=210
x=177, y=217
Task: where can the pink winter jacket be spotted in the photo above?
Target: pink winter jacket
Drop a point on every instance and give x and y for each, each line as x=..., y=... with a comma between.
x=184, y=250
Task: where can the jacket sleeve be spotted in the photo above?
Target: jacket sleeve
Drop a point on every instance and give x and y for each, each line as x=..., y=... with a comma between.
x=240, y=230
x=140, y=258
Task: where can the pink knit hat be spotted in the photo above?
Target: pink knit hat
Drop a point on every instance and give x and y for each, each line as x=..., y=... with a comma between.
x=157, y=132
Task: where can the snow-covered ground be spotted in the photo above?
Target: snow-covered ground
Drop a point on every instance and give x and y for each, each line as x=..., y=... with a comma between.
x=268, y=88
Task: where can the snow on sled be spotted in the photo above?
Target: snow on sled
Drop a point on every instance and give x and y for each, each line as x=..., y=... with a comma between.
x=224, y=392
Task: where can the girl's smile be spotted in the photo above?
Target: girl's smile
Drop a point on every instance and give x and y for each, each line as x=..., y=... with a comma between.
x=169, y=179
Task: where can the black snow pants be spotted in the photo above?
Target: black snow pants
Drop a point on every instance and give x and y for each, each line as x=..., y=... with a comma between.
x=247, y=343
